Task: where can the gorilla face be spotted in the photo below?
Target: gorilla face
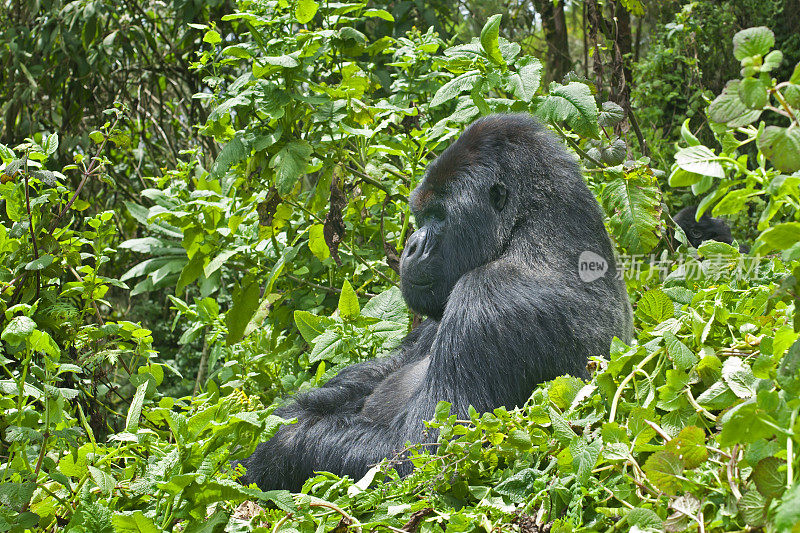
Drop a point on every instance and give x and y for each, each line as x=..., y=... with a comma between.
x=462, y=220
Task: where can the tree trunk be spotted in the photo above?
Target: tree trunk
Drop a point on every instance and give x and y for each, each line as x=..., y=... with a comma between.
x=554, y=23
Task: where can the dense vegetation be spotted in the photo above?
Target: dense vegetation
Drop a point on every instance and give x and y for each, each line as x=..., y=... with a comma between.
x=202, y=205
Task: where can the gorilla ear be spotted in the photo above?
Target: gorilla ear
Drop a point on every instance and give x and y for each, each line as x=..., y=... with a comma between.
x=497, y=195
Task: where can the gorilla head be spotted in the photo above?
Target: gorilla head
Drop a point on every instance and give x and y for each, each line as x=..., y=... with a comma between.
x=707, y=228
x=505, y=177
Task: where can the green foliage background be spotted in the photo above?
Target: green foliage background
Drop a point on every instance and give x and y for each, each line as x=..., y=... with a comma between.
x=202, y=209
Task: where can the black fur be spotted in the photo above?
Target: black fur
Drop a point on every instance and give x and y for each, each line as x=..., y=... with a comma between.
x=707, y=228
x=504, y=215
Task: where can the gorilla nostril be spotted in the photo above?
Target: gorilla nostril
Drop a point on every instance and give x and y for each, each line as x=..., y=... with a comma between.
x=413, y=248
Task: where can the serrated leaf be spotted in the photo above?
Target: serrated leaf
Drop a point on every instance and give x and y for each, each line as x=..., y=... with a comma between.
x=753, y=93
x=739, y=377
x=683, y=357
x=246, y=298
x=41, y=263
x=289, y=164
x=689, y=447
x=310, y=325
x=752, y=42
x=662, y=469
x=135, y=410
x=348, y=302
x=233, y=152
x=104, y=481
x=654, y=307
x=644, y=520
x=782, y=147
x=728, y=108
x=610, y=115
x=19, y=329
x=490, y=39
x=454, y=87
x=574, y=104
x=753, y=508
x=632, y=201
x=769, y=477
x=388, y=305
x=325, y=346
x=133, y=522
x=787, y=515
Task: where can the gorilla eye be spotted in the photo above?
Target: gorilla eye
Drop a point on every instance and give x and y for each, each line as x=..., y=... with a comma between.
x=497, y=195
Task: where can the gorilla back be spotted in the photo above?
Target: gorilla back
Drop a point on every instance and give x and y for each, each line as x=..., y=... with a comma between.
x=504, y=216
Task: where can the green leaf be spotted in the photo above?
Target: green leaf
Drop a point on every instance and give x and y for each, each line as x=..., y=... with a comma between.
x=644, y=520
x=795, y=78
x=574, y=104
x=135, y=410
x=753, y=93
x=654, y=307
x=490, y=39
x=728, y=108
x=753, y=508
x=41, y=263
x=104, y=481
x=632, y=201
x=662, y=469
x=611, y=114
x=739, y=377
x=19, y=329
x=454, y=87
x=310, y=325
x=770, y=477
x=787, y=516
x=683, y=357
x=305, y=11
x=753, y=42
x=782, y=147
x=699, y=160
x=348, y=302
x=782, y=236
x=316, y=242
x=133, y=522
x=772, y=61
x=233, y=152
x=388, y=305
x=212, y=37
x=246, y=298
x=218, y=261
x=289, y=164
x=689, y=446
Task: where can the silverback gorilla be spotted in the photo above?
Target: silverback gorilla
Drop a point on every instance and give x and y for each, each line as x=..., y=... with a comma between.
x=504, y=215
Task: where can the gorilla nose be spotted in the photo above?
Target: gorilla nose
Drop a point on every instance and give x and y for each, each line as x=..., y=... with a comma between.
x=415, y=246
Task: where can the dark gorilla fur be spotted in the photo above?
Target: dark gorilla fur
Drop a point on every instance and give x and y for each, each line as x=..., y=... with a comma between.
x=707, y=228
x=504, y=215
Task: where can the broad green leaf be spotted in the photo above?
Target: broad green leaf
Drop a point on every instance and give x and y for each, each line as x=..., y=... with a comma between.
x=379, y=13
x=787, y=515
x=728, y=108
x=104, y=481
x=753, y=42
x=689, y=446
x=662, y=469
x=682, y=178
x=216, y=263
x=644, y=520
x=212, y=37
x=611, y=114
x=326, y=346
x=753, y=508
x=133, y=522
x=782, y=236
x=135, y=410
x=316, y=242
x=680, y=354
x=574, y=104
x=772, y=61
x=769, y=476
x=348, y=302
x=633, y=203
x=310, y=325
x=233, y=152
x=490, y=35
x=388, y=305
x=654, y=307
x=246, y=298
x=305, y=11
x=699, y=160
x=289, y=164
x=753, y=93
x=39, y=264
x=454, y=87
x=795, y=78
x=782, y=147
x=19, y=329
